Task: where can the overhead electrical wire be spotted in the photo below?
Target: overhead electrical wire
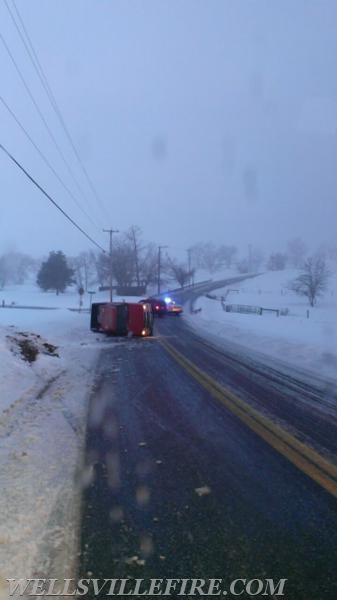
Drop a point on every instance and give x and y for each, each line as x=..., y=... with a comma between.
x=65, y=214
x=46, y=161
x=28, y=44
x=45, y=83
x=41, y=114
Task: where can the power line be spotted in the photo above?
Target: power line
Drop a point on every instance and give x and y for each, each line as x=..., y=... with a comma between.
x=19, y=165
x=30, y=51
x=45, y=159
x=45, y=83
x=40, y=114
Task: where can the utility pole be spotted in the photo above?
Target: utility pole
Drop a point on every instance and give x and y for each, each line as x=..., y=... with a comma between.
x=160, y=248
x=110, y=232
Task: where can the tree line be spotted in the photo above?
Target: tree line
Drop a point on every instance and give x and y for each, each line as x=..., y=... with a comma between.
x=134, y=262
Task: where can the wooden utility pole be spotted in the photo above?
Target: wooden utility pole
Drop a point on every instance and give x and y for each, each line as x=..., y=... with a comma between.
x=110, y=232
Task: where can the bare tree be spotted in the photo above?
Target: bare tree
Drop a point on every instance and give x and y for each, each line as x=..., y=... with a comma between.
x=101, y=263
x=148, y=266
x=313, y=280
x=84, y=266
x=133, y=236
x=207, y=256
x=123, y=263
x=178, y=271
x=133, y=261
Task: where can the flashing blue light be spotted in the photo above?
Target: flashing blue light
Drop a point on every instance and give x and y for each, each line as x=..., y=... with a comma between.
x=167, y=300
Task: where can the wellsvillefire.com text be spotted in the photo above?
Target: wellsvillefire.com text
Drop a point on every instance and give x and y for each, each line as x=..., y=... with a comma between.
x=143, y=587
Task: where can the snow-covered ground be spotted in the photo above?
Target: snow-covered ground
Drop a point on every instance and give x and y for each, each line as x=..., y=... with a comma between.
x=43, y=408
x=310, y=343
x=43, y=404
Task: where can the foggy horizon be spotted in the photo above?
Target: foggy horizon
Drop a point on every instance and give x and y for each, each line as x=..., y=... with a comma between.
x=195, y=122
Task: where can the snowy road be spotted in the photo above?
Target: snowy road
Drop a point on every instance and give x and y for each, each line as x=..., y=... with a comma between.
x=179, y=486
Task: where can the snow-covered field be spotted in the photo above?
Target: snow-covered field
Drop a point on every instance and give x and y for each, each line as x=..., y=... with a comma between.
x=43, y=407
x=43, y=403
x=310, y=343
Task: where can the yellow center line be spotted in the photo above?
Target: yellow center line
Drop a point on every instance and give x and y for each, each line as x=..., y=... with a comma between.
x=302, y=456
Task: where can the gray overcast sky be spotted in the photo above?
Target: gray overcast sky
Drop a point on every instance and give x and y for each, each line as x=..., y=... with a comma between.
x=197, y=120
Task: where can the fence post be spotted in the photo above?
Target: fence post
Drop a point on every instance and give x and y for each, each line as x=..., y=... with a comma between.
x=308, y=313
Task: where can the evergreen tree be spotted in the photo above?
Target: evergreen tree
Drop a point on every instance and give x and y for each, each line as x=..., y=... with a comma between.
x=54, y=273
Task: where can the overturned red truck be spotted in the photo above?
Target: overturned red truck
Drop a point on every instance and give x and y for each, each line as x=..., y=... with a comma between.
x=122, y=318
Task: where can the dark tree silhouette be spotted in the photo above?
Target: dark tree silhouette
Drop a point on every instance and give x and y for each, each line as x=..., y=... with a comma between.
x=313, y=279
x=54, y=273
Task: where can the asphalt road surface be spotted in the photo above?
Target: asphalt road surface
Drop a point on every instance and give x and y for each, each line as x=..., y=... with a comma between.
x=202, y=463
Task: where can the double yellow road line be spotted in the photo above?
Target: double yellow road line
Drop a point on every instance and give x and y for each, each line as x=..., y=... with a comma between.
x=302, y=456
